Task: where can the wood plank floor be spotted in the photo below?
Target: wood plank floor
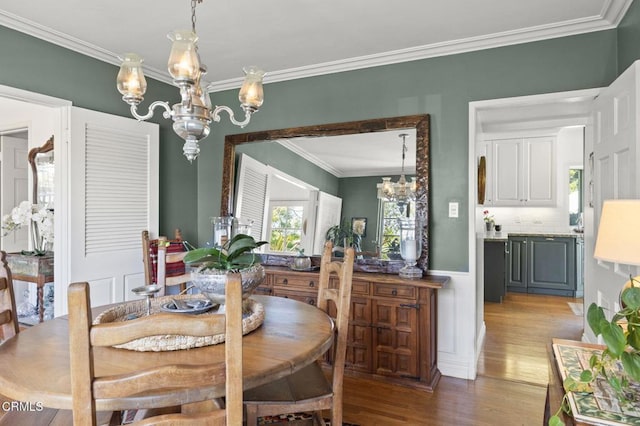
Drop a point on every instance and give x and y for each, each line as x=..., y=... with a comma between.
x=512, y=373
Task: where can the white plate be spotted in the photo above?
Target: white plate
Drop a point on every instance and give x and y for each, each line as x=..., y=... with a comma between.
x=193, y=306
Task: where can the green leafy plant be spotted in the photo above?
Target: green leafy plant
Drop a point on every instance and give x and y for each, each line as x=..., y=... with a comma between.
x=621, y=336
x=342, y=235
x=236, y=254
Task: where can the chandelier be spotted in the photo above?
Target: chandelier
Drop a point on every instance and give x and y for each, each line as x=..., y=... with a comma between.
x=401, y=192
x=193, y=114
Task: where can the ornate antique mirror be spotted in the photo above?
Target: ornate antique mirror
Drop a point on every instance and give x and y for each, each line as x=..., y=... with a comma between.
x=42, y=166
x=419, y=123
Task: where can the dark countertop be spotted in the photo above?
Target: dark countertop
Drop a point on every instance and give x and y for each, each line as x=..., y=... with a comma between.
x=504, y=236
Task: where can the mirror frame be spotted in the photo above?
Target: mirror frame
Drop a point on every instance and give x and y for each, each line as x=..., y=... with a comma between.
x=420, y=122
x=46, y=147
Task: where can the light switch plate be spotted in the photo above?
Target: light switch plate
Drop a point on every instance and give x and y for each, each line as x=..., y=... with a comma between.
x=453, y=209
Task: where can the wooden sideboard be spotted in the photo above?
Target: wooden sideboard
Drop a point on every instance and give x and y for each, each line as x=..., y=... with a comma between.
x=393, y=322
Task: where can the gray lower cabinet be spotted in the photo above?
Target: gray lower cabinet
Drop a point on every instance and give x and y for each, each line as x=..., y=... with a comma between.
x=544, y=265
x=494, y=270
x=517, y=264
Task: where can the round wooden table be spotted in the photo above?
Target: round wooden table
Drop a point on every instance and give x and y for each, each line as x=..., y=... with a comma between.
x=34, y=366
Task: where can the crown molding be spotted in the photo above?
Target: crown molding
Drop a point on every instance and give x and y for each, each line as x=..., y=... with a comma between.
x=610, y=16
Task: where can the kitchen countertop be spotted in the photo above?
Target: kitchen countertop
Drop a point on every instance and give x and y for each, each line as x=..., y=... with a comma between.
x=504, y=236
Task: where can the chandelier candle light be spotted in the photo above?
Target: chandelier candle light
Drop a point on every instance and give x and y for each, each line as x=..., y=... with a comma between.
x=402, y=191
x=193, y=114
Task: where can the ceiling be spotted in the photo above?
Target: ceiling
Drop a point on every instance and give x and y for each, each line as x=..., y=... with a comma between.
x=300, y=38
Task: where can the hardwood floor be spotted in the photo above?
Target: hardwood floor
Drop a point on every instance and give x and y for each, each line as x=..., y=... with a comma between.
x=512, y=373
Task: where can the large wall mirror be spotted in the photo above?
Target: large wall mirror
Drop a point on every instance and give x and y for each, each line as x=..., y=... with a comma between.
x=41, y=161
x=363, y=133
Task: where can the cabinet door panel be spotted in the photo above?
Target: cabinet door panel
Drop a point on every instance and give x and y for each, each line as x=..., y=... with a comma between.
x=507, y=172
x=395, y=338
x=552, y=263
x=540, y=172
x=517, y=265
x=359, y=338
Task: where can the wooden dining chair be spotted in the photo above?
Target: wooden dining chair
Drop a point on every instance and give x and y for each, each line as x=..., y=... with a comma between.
x=309, y=389
x=175, y=265
x=8, y=313
x=165, y=276
x=87, y=388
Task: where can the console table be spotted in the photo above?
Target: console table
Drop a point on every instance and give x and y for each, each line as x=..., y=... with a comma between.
x=33, y=269
x=392, y=323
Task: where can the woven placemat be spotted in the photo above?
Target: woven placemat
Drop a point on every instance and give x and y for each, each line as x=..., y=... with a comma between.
x=251, y=319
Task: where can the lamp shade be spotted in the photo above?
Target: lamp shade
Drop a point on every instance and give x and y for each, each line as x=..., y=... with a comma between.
x=619, y=232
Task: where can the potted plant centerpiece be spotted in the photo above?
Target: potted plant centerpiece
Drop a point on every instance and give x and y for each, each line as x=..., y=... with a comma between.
x=214, y=263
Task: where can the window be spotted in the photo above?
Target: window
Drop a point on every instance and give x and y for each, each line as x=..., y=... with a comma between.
x=389, y=234
x=575, y=197
x=285, y=226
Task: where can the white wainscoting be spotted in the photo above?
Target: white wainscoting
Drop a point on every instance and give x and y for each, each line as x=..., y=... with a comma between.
x=458, y=348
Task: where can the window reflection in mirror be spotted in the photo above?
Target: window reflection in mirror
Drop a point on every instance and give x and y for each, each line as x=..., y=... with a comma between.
x=575, y=197
x=285, y=227
x=389, y=240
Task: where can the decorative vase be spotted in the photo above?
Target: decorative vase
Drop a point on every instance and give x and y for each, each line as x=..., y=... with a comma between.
x=211, y=282
x=410, y=246
x=301, y=262
x=488, y=226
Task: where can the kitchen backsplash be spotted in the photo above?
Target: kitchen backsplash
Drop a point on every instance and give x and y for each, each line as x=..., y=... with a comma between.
x=526, y=219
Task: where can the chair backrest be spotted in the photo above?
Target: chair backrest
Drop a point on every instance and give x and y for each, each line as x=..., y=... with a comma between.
x=8, y=313
x=86, y=387
x=167, y=274
x=341, y=297
x=150, y=256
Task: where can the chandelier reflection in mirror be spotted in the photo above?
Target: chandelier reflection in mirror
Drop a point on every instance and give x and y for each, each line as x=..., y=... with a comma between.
x=401, y=192
x=193, y=114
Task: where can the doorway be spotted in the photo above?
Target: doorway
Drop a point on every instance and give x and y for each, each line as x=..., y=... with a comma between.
x=518, y=114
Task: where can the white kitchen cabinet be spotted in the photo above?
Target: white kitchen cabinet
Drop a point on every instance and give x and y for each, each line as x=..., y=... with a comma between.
x=522, y=172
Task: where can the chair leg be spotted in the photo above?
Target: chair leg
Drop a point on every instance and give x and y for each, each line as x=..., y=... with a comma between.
x=251, y=414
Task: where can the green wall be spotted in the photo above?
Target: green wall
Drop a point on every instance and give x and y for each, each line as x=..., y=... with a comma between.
x=628, y=37
x=360, y=199
x=441, y=87
x=31, y=64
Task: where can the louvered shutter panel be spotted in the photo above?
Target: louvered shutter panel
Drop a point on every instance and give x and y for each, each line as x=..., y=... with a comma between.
x=116, y=189
x=251, y=198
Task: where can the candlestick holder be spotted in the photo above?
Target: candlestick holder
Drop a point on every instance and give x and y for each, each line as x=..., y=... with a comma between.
x=410, y=246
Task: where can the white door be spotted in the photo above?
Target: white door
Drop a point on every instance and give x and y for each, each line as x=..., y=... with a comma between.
x=328, y=215
x=14, y=177
x=112, y=176
x=612, y=174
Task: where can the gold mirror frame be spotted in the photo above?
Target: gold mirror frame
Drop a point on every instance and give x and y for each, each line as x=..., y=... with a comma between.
x=419, y=122
x=46, y=147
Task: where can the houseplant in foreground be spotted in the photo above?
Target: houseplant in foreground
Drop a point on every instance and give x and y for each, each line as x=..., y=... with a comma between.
x=619, y=362
x=215, y=263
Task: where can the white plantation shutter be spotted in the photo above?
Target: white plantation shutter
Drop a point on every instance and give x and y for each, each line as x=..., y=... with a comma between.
x=251, y=198
x=116, y=189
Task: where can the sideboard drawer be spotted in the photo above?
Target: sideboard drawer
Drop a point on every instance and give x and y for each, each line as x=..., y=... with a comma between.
x=394, y=290
x=301, y=296
x=291, y=281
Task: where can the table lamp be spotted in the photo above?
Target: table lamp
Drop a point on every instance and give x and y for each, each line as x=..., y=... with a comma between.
x=619, y=234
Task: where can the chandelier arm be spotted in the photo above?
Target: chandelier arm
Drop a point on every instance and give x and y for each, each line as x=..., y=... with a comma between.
x=215, y=115
x=152, y=107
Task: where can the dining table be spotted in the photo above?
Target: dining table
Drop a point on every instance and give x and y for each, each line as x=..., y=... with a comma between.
x=34, y=365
